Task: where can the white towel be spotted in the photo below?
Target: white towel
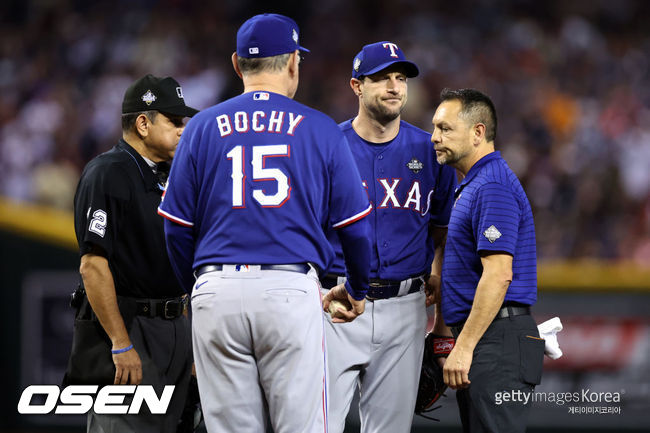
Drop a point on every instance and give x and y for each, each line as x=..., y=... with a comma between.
x=548, y=331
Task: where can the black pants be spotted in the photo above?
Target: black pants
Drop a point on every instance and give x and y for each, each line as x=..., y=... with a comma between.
x=506, y=366
x=165, y=349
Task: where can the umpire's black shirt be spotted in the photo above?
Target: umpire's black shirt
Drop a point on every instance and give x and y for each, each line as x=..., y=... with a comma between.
x=115, y=209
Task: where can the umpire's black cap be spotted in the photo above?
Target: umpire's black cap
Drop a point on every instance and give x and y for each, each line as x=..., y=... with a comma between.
x=156, y=93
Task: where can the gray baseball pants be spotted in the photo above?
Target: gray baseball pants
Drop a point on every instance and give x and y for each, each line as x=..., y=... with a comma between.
x=380, y=352
x=259, y=350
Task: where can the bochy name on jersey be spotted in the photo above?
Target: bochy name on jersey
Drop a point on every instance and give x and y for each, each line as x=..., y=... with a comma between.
x=258, y=176
x=408, y=189
x=259, y=121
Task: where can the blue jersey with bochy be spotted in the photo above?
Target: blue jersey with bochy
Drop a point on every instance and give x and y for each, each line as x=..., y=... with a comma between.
x=408, y=190
x=258, y=177
x=491, y=214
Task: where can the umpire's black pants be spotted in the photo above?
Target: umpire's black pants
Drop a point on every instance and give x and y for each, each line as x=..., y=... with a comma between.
x=165, y=349
x=506, y=366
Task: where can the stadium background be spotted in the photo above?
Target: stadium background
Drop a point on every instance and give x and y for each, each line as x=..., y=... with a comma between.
x=570, y=82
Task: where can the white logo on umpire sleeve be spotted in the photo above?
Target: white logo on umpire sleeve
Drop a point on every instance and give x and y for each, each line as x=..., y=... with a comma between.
x=492, y=234
x=98, y=223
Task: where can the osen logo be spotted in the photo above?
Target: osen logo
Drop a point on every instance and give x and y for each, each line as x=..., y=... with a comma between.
x=79, y=399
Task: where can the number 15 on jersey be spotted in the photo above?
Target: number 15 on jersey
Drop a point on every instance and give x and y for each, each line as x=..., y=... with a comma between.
x=260, y=173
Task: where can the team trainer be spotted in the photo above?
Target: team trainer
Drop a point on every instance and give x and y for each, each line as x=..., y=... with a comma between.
x=489, y=275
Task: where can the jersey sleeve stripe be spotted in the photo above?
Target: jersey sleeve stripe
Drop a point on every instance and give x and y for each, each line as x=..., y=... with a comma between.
x=352, y=219
x=175, y=219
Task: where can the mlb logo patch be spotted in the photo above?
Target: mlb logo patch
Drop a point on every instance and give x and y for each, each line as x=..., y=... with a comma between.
x=261, y=96
x=253, y=50
x=242, y=268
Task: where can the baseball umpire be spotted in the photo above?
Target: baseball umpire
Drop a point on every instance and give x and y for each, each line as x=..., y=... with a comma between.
x=123, y=257
x=489, y=278
x=255, y=181
x=381, y=351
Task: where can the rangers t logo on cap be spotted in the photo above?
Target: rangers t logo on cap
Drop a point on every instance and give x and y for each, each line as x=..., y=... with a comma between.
x=392, y=47
x=378, y=56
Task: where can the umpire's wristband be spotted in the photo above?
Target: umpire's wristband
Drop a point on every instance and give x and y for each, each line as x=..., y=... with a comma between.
x=126, y=349
x=443, y=345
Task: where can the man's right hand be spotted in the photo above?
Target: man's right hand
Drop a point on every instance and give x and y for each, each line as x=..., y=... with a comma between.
x=128, y=367
x=432, y=290
x=339, y=293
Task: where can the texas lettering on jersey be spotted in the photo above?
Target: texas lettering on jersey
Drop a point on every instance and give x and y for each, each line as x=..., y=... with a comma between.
x=412, y=199
x=409, y=191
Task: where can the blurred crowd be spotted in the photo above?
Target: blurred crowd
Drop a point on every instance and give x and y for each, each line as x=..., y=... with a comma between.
x=569, y=80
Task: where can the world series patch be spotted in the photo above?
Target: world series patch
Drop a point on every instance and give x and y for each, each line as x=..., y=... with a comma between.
x=492, y=234
x=414, y=165
x=148, y=97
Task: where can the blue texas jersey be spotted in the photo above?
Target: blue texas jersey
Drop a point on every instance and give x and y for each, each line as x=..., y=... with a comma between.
x=407, y=189
x=258, y=177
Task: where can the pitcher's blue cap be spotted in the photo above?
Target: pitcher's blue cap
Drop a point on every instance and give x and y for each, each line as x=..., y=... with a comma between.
x=378, y=56
x=268, y=35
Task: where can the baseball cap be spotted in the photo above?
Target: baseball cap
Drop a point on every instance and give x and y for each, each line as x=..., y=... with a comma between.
x=378, y=56
x=156, y=93
x=268, y=35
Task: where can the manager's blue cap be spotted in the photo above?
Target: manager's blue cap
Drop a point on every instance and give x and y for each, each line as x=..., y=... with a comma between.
x=268, y=35
x=378, y=56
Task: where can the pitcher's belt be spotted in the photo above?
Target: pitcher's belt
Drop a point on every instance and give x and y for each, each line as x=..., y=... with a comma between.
x=378, y=288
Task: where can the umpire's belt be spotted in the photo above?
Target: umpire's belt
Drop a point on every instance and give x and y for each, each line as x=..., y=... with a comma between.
x=165, y=308
x=302, y=268
x=378, y=288
x=504, y=312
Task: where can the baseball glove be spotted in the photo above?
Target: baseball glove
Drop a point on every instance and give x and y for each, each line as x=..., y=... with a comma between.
x=432, y=385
